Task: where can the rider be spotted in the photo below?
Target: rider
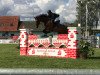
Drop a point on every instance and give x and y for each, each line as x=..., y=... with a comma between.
x=54, y=17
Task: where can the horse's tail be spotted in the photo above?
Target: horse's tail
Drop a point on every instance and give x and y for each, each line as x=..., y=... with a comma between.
x=66, y=29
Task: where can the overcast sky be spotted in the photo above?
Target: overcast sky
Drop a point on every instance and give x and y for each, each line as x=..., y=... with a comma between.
x=27, y=9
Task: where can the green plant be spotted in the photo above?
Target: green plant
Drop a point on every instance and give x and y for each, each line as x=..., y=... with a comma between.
x=85, y=49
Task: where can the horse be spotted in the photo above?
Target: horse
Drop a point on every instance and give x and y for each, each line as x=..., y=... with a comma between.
x=59, y=28
x=41, y=18
x=50, y=26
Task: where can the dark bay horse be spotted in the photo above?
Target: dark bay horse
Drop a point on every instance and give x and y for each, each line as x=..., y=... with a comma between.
x=41, y=18
x=59, y=28
x=49, y=25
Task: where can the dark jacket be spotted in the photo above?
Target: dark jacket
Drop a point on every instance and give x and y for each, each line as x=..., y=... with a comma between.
x=53, y=16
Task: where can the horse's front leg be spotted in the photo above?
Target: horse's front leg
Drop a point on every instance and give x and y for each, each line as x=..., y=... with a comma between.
x=45, y=33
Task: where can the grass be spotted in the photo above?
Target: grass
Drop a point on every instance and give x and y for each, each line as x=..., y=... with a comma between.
x=10, y=58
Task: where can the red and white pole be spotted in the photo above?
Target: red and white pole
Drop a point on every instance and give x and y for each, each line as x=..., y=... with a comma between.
x=23, y=41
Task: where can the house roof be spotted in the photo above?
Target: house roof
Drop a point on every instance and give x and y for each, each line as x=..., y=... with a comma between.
x=31, y=25
x=12, y=23
x=9, y=23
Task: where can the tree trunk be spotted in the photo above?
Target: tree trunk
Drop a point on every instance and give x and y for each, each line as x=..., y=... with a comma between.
x=83, y=55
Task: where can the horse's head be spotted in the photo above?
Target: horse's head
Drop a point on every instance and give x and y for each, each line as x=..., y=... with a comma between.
x=41, y=18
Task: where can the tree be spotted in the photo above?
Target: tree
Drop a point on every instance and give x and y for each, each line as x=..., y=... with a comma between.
x=93, y=8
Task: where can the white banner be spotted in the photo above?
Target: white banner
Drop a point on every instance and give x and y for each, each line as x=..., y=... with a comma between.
x=48, y=52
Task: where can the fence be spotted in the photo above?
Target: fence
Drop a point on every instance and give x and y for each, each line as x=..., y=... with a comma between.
x=64, y=45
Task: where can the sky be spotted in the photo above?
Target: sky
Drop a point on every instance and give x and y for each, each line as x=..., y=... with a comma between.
x=27, y=9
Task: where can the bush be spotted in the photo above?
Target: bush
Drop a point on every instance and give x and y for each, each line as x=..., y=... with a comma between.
x=85, y=49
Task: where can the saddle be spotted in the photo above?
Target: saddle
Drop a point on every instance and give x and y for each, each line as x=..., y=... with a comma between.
x=57, y=23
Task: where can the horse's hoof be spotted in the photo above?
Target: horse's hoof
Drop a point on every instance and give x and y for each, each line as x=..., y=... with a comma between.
x=51, y=35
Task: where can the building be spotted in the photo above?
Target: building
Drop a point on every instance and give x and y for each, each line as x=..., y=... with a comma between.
x=9, y=26
x=96, y=31
x=31, y=25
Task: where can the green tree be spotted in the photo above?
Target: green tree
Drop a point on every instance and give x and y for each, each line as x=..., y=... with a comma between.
x=93, y=7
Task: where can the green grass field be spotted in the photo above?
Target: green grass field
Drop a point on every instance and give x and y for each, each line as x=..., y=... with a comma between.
x=10, y=58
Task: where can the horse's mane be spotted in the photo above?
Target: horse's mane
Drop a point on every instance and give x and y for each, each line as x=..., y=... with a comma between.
x=42, y=15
